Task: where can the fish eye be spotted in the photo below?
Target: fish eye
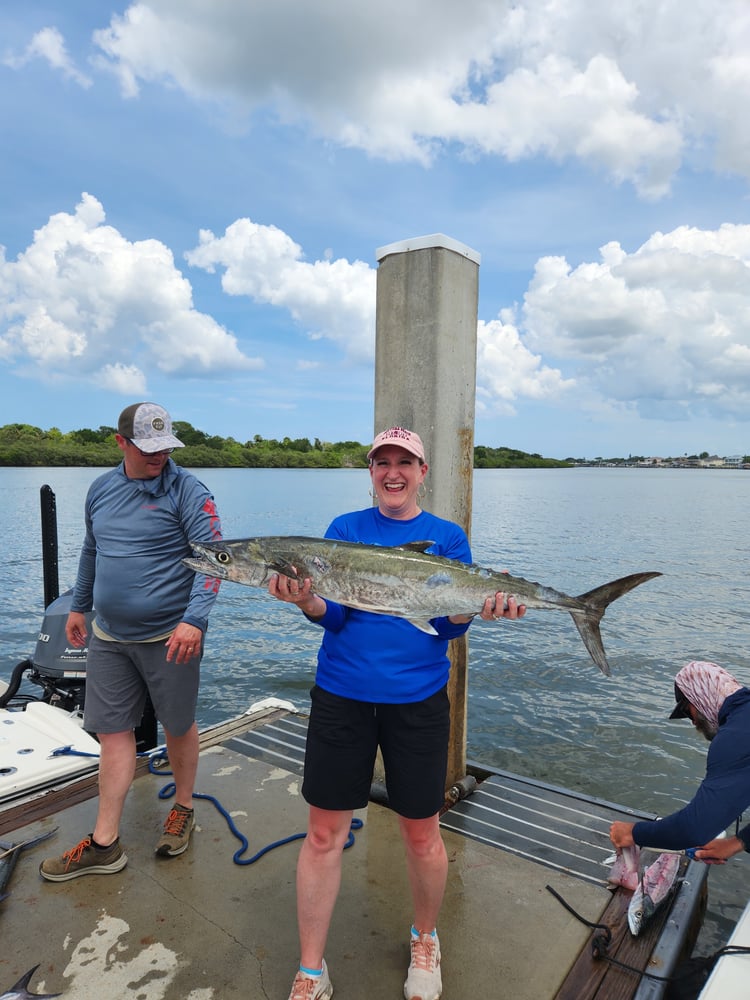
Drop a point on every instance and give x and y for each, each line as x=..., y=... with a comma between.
x=223, y=557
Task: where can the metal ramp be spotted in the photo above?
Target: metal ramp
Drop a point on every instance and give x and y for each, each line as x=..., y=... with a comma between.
x=543, y=823
x=279, y=744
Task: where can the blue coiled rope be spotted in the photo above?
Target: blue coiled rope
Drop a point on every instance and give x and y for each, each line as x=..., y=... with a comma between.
x=169, y=789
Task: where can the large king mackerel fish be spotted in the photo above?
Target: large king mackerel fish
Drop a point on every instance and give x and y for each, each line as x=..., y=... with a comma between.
x=404, y=581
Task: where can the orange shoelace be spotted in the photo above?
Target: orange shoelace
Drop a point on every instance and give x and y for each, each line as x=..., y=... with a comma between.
x=176, y=822
x=423, y=952
x=303, y=987
x=73, y=856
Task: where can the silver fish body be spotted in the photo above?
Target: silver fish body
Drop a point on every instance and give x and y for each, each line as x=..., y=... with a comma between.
x=404, y=581
x=653, y=890
x=19, y=991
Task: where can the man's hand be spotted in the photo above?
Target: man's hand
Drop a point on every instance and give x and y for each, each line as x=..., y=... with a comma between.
x=621, y=834
x=718, y=851
x=75, y=629
x=184, y=643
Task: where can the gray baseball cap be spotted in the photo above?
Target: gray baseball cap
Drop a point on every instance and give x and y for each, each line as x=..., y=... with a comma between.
x=148, y=426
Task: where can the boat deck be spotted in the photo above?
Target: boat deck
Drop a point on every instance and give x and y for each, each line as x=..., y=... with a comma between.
x=202, y=927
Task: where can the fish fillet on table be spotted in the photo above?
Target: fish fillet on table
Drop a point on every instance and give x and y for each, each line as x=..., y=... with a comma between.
x=625, y=867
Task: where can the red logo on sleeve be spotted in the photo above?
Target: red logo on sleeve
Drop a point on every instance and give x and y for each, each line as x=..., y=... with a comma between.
x=209, y=507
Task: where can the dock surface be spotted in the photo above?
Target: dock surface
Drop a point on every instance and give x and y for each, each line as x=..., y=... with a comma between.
x=202, y=927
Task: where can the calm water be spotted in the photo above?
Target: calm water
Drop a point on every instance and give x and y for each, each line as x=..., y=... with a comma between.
x=537, y=704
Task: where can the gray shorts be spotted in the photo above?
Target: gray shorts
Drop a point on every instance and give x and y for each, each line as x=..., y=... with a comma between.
x=120, y=674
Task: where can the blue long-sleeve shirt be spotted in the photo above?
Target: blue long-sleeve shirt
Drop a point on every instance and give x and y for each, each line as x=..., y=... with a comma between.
x=137, y=533
x=724, y=792
x=379, y=658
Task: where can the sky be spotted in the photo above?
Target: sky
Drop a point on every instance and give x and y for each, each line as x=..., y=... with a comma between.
x=192, y=195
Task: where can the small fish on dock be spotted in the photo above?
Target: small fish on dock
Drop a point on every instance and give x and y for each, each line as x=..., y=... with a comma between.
x=653, y=890
x=19, y=991
x=404, y=581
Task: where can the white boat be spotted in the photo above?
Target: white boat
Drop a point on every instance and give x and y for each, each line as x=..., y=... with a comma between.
x=730, y=977
x=41, y=746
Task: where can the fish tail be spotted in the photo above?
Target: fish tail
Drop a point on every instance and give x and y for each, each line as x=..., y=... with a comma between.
x=596, y=603
x=20, y=988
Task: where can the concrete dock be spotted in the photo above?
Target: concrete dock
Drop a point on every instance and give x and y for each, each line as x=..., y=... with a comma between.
x=201, y=927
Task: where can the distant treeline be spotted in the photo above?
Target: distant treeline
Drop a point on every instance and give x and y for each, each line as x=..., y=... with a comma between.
x=24, y=445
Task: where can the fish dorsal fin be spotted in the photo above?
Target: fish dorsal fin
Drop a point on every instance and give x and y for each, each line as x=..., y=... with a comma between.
x=416, y=546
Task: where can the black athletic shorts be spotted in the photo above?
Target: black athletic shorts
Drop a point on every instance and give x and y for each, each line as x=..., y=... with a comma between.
x=342, y=741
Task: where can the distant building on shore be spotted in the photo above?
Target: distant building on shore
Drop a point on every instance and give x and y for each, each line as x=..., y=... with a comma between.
x=656, y=462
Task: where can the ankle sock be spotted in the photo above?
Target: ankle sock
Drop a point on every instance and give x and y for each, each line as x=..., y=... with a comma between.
x=415, y=932
x=100, y=847
x=315, y=973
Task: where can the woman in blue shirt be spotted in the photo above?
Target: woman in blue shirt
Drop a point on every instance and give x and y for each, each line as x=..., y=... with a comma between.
x=380, y=682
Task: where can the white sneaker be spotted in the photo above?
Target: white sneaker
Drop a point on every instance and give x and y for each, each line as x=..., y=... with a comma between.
x=423, y=981
x=307, y=987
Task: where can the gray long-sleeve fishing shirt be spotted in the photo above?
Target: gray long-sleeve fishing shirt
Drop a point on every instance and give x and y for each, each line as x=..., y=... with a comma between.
x=137, y=533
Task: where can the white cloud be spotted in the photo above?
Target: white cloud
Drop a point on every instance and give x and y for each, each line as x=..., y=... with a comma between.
x=666, y=327
x=125, y=380
x=663, y=331
x=49, y=44
x=508, y=372
x=83, y=303
x=559, y=78
x=334, y=299
x=331, y=299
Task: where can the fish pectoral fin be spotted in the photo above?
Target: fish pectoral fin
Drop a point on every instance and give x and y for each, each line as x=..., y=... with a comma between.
x=285, y=568
x=415, y=546
x=423, y=625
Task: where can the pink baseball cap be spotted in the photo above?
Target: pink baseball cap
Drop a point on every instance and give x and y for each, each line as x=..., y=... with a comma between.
x=401, y=437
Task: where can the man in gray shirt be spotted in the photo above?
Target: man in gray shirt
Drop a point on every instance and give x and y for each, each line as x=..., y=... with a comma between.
x=151, y=618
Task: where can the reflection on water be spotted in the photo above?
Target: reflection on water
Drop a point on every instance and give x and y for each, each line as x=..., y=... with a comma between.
x=537, y=704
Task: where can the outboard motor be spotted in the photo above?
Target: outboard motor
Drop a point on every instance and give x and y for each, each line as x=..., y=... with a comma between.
x=60, y=669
